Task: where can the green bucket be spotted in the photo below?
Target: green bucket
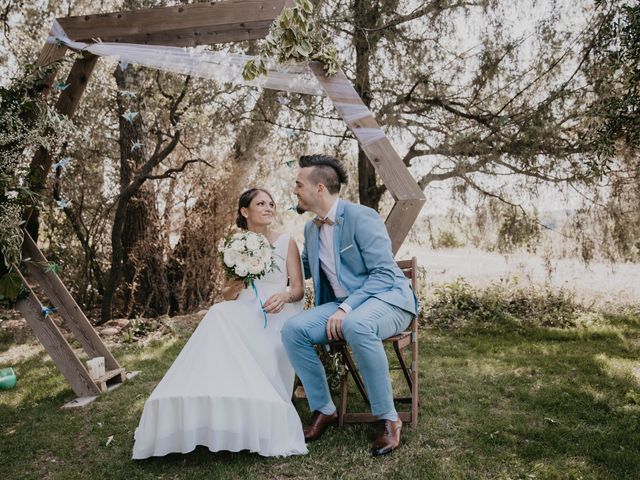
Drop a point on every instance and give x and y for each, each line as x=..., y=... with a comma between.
x=7, y=378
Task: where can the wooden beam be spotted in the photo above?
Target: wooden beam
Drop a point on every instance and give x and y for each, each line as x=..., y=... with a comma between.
x=57, y=347
x=368, y=418
x=183, y=25
x=37, y=268
x=67, y=104
x=372, y=138
x=77, y=80
x=375, y=144
x=50, y=53
x=400, y=220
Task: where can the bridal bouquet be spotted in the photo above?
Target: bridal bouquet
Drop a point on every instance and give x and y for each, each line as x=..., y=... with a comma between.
x=247, y=256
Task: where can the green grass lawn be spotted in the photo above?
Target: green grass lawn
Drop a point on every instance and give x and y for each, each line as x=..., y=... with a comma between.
x=506, y=402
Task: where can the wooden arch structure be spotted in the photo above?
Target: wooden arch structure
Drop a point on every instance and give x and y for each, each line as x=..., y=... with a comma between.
x=183, y=26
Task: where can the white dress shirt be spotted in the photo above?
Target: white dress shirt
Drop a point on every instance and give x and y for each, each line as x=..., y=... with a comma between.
x=327, y=256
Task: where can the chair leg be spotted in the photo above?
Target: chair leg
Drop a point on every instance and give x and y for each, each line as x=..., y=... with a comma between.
x=403, y=366
x=415, y=389
x=414, y=398
x=342, y=406
x=351, y=367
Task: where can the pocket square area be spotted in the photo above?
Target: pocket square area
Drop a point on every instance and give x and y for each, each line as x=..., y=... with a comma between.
x=346, y=248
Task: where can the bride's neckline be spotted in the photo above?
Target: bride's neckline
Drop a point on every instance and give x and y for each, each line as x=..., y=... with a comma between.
x=276, y=240
x=273, y=244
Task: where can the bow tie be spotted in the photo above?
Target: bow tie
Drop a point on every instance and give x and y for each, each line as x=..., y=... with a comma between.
x=320, y=221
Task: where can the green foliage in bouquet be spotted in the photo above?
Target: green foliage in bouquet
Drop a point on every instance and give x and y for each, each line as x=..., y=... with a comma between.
x=295, y=37
x=27, y=123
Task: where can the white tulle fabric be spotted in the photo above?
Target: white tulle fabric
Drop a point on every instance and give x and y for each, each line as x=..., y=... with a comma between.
x=230, y=387
x=227, y=67
x=223, y=67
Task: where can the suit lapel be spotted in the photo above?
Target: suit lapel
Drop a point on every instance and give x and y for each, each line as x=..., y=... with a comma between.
x=337, y=235
x=314, y=254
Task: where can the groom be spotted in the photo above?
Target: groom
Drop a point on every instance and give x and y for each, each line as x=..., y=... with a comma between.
x=361, y=296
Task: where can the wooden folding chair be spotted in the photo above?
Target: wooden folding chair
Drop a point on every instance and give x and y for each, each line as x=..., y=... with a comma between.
x=400, y=342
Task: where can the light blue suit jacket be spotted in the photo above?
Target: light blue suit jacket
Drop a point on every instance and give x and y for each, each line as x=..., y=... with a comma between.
x=364, y=261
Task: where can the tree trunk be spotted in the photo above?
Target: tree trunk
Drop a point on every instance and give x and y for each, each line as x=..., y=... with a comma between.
x=137, y=266
x=191, y=269
x=366, y=14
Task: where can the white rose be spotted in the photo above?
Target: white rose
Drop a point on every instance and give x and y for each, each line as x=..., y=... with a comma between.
x=238, y=257
x=243, y=260
x=256, y=266
x=11, y=194
x=229, y=259
x=237, y=245
x=241, y=270
x=253, y=242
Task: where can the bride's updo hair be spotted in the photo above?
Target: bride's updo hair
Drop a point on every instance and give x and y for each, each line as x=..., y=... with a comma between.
x=245, y=201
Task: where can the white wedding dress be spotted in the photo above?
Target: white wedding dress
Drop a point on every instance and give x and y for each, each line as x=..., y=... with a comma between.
x=230, y=387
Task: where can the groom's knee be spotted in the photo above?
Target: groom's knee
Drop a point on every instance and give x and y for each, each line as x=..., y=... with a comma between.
x=355, y=327
x=292, y=329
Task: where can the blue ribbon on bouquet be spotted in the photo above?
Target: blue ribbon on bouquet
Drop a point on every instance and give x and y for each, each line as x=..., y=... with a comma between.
x=255, y=290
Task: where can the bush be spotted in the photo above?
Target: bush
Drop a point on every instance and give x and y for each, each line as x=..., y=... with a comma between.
x=458, y=304
x=518, y=230
x=446, y=239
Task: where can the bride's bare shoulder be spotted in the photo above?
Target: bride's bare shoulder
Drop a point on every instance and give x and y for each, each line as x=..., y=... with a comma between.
x=293, y=245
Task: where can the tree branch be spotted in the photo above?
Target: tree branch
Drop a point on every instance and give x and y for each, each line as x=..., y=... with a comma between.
x=171, y=171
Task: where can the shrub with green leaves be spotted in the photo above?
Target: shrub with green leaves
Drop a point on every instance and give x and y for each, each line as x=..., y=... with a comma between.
x=518, y=230
x=27, y=123
x=446, y=239
x=295, y=37
x=460, y=304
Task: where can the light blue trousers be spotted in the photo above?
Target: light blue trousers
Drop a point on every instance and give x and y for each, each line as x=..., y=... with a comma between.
x=363, y=328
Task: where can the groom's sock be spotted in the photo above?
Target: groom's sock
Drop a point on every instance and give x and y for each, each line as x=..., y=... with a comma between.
x=392, y=415
x=328, y=408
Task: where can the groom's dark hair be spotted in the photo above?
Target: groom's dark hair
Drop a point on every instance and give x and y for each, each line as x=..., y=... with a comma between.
x=327, y=171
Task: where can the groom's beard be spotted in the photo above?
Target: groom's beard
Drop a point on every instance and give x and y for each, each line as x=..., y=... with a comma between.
x=300, y=210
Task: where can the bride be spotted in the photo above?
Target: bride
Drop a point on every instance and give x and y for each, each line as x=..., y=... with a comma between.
x=230, y=387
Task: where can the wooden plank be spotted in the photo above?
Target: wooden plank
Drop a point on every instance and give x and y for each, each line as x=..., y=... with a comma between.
x=77, y=80
x=57, y=347
x=368, y=418
x=118, y=374
x=67, y=104
x=162, y=25
x=84, y=401
x=50, y=53
x=400, y=220
x=68, y=309
x=372, y=138
x=199, y=36
x=392, y=171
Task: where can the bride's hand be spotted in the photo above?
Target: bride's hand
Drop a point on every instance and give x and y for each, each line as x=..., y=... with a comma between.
x=232, y=288
x=275, y=303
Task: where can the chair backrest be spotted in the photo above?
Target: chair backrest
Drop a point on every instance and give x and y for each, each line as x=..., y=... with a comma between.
x=410, y=269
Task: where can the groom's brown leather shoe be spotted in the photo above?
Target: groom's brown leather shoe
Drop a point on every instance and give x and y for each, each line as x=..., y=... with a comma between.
x=388, y=437
x=319, y=423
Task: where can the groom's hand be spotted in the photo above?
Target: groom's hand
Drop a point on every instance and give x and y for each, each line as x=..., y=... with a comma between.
x=334, y=325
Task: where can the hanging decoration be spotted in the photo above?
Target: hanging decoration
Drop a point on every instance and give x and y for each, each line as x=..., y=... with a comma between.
x=295, y=37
